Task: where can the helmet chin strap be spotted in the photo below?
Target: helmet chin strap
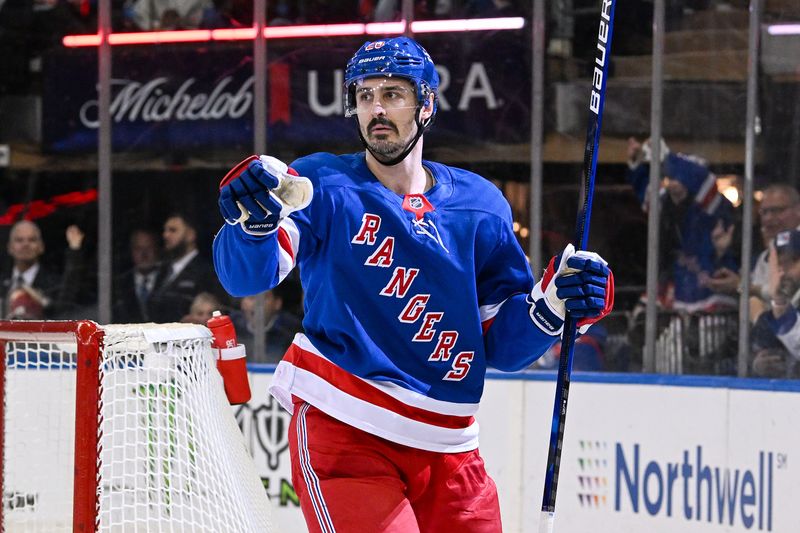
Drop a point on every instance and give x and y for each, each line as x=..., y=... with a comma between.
x=395, y=160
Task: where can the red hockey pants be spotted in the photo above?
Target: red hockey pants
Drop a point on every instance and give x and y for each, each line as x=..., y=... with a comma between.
x=351, y=481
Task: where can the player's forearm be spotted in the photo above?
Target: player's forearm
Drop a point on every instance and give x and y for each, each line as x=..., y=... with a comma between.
x=245, y=265
x=513, y=341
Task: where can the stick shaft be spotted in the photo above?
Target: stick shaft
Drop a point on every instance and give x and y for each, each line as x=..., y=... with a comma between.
x=596, y=104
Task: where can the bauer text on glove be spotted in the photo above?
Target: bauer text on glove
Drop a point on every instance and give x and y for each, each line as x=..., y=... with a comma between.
x=259, y=192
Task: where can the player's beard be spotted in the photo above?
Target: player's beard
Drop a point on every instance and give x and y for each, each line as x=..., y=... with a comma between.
x=383, y=148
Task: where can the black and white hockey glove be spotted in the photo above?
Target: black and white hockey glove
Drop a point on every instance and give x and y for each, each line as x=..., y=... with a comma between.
x=261, y=191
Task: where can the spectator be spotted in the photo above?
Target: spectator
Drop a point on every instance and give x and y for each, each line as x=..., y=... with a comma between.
x=280, y=13
x=183, y=275
x=73, y=278
x=776, y=334
x=779, y=211
x=228, y=14
x=386, y=10
x=134, y=287
x=203, y=305
x=281, y=324
x=696, y=229
x=150, y=15
x=32, y=290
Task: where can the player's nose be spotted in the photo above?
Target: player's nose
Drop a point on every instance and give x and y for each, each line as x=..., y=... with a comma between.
x=378, y=110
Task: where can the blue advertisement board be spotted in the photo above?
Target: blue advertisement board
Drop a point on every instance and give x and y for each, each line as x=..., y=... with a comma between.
x=193, y=96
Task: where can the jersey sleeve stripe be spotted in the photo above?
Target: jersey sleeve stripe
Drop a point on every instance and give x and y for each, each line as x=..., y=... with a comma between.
x=289, y=237
x=288, y=243
x=285, y=243
x=707, y=190
x=488, y=312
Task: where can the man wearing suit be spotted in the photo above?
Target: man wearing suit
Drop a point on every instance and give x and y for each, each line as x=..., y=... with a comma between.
x=31, y=290
x=184, y=273
x=134, y=287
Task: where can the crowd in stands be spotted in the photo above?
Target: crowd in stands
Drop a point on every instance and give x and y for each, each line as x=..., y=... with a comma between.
x=169, y=280
x=210, y=14
x=699, y=281
x=80, y=16
x=699, y=262
x=28, y=28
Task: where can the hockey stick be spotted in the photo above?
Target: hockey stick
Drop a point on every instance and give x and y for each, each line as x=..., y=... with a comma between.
x=596, y=103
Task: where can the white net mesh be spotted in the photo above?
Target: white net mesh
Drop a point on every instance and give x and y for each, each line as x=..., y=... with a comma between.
x=172, y=457
x=39, y=436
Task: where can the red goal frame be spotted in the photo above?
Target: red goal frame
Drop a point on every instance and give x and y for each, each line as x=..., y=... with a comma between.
x=89, y=339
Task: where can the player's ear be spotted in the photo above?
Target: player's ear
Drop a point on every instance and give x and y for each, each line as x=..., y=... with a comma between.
x=427, y=108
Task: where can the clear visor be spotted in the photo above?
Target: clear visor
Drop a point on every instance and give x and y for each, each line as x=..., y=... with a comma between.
x=388, y=93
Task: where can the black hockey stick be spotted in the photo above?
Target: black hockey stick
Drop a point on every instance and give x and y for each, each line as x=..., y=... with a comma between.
x=596, y=104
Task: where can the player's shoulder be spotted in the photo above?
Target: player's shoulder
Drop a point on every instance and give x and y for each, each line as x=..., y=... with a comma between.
x=326, y=168
x=469, y=189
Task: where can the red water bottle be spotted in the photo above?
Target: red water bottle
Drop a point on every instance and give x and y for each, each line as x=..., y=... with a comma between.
x=230, y=358
x=222, y=329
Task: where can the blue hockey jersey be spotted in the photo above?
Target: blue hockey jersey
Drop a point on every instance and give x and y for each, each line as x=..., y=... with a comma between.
x=687, y=248
x=407, y=299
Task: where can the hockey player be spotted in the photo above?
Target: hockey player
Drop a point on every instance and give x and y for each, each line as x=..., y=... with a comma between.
x=414, y=284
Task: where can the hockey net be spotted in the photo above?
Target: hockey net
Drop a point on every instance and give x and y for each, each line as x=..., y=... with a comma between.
x=122, y=428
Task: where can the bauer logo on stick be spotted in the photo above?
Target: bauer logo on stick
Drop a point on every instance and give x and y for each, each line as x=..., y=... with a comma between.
x=600, y=60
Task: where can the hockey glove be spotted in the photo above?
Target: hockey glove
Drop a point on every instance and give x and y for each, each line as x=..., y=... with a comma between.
x=578, y=282
x=259, y=192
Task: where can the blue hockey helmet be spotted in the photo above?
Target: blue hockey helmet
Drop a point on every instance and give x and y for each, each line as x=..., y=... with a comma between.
x=399, y=56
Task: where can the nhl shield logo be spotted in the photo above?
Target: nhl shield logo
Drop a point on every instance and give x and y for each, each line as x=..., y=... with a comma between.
x=415, y=202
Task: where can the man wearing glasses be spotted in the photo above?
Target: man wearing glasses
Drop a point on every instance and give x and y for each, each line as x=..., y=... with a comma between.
x=779, y=211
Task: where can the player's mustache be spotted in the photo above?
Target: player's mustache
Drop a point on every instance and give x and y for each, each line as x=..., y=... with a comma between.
x=379, y=121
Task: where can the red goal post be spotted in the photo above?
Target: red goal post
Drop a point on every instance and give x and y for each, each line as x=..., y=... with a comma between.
x=117, y=428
